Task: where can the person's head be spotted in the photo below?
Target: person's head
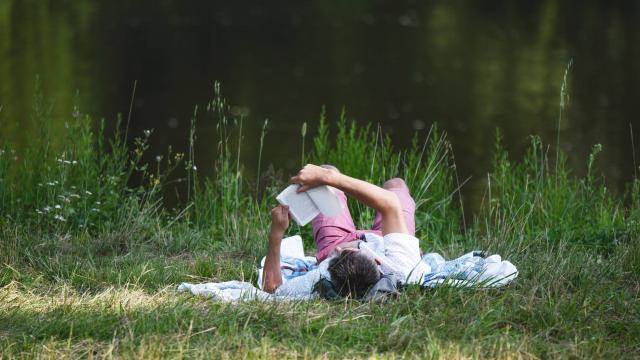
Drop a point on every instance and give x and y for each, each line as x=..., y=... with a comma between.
x=353, y=273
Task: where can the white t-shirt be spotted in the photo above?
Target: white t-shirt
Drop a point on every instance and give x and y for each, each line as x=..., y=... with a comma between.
x=399, y=253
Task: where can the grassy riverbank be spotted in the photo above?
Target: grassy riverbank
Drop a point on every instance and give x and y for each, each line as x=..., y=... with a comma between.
x=90, y=260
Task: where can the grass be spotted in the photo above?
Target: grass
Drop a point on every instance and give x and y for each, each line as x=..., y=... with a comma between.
x=90, y=259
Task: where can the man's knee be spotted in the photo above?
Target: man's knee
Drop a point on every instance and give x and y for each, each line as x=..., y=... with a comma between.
x=395, y=183
x=327, y=166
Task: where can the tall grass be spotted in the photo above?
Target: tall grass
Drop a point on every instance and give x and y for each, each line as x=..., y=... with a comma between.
x=529, y=203
x=90, y=257
x=426, y=167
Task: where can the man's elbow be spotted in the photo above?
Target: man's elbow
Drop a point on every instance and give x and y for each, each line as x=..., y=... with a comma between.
x=271, y=285
x=270, y=288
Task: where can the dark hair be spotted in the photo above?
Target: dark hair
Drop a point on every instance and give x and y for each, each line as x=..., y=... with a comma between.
x=353, y=273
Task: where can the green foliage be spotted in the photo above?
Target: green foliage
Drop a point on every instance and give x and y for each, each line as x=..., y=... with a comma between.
x=102, y=282
x=528, y=204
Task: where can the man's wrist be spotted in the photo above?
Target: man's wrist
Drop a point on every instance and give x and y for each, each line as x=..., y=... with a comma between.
x=275, y=234
x=330, y=177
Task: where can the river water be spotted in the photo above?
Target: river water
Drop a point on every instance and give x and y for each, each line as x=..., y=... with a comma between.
x=469, y=66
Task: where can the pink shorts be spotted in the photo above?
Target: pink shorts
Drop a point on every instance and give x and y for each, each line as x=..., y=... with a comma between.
x=328, y=232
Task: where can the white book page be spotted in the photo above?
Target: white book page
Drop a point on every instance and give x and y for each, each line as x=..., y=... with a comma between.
x=301, y=207
x=326, y=200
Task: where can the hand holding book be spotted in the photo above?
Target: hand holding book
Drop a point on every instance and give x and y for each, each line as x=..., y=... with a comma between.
x=311, y=176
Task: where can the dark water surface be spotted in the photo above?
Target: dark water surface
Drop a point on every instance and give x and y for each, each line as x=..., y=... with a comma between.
x=469, y=66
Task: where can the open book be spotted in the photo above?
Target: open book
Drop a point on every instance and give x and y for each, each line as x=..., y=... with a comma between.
x=305, y=206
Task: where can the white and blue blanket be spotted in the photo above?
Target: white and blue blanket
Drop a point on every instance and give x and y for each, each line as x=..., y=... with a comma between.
x=301, y=274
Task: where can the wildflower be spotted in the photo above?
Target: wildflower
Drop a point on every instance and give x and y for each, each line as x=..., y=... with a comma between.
x=179, y=156
x=47, y=208
x=75, y=196
x=98, y=203
x=39, y=212
x=147, y=133
x=58, y=207
x=194, y=168
x=158, y=158
x=88, y=192
x=74, y=162
x=95, y=210
x=60, y=218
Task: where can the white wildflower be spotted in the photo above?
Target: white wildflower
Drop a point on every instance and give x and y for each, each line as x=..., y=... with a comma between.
x=47, y=208
x=60, y=218
x=194, y=168
x=58, y=206
x=158, y=158
x=88, y=192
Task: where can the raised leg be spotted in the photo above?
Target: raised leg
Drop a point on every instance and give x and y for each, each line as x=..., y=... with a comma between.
x=400, y=188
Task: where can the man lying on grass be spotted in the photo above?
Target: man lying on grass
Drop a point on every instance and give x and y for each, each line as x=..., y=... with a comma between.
x=354, y=269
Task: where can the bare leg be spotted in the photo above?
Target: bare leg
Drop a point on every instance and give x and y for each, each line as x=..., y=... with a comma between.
x=401, y=190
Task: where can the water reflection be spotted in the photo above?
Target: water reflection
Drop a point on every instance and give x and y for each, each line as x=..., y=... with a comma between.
x=471, y=67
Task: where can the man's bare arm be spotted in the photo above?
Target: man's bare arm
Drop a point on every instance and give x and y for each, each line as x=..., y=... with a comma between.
x=272, y=276
x=383, y=201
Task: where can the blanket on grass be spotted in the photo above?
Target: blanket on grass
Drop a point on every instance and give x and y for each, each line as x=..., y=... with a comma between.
x=300, y=275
